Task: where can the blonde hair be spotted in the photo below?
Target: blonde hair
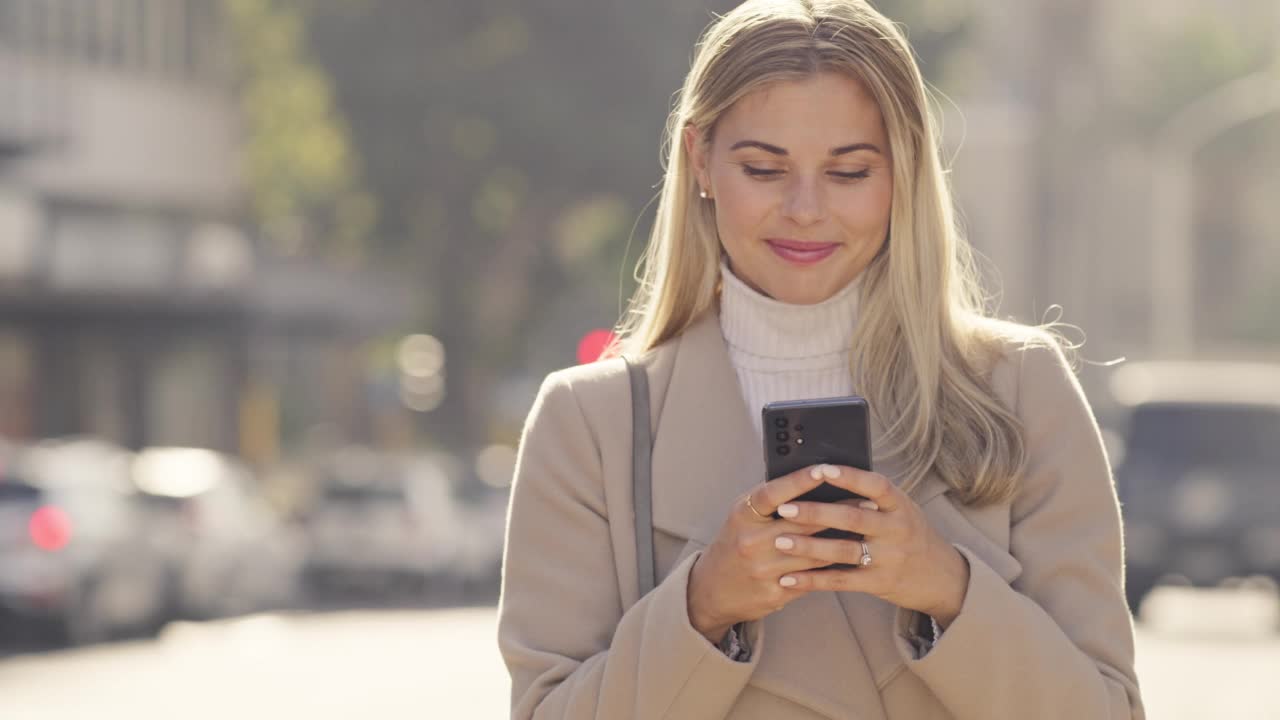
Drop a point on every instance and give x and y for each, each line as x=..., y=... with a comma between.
x=924, y=342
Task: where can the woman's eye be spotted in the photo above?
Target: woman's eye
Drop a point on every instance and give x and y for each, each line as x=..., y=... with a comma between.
x=769, y=173
x=852, y=175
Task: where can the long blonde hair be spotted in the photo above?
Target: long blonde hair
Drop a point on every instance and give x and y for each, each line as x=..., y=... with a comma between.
x=924, y=343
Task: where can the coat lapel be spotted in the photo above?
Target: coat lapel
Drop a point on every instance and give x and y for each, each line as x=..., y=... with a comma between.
x=706, y=454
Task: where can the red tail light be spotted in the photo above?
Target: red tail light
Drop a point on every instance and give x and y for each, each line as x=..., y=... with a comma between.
x=50, y=528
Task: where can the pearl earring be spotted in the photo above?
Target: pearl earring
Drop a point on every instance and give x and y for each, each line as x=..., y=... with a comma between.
x=702, y=194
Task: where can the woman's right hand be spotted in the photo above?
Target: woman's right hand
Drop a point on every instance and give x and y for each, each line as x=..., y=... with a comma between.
x=736, y=578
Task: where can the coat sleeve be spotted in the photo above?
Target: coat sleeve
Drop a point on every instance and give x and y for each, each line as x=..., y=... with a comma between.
x=1058, y=642
x=569, y=646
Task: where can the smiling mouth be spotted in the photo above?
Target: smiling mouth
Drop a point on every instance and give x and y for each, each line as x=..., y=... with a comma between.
x=801, y=253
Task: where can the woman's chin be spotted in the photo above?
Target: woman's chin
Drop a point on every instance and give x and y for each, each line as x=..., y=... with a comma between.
x=803, y=288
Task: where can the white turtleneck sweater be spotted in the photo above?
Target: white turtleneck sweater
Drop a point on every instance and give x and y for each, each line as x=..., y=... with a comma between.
x=784, y=352
x=787, y=352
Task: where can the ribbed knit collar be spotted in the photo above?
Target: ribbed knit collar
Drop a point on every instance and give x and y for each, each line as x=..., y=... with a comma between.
x=760, y=328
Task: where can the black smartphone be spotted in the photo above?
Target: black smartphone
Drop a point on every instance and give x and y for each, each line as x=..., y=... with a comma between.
x=799, y=433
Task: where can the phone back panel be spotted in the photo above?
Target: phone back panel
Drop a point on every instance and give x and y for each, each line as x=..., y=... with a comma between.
x=800, y=433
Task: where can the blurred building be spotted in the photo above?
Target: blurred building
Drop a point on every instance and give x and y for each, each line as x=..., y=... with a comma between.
x=1055, y=180
x=1028, y=202
x=133, y=304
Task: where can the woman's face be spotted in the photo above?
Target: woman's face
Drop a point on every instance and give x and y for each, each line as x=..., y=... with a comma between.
x=802, y=182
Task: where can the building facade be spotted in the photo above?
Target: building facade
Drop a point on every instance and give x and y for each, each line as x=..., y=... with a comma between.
x=134, y=305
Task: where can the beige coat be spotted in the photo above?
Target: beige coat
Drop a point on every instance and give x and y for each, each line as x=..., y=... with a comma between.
x=1044, y=631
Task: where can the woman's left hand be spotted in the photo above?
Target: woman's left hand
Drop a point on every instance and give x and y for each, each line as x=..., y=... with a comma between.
x=912, y=566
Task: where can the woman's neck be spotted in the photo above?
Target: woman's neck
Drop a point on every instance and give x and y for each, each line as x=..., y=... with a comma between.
x=759, y=326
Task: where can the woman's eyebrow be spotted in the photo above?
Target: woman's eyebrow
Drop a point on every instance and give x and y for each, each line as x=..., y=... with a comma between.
x=842, y=150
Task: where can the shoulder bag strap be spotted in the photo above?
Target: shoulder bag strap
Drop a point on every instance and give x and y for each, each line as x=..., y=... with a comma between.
x=641, y=475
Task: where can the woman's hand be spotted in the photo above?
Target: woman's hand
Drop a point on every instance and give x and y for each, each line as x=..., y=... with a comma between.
x=736, y=578
x=912, y=566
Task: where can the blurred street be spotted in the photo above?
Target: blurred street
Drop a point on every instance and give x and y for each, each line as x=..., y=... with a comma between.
x=280, y=281
x=1200, y=655
x=374, y=664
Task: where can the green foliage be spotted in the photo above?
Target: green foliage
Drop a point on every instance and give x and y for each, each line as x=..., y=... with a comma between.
x=299, y=164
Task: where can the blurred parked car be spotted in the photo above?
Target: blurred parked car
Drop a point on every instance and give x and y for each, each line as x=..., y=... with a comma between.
x=76, y=560
x=1199, y=482
x=381, y=525
x=229, y=551
x=479, y=562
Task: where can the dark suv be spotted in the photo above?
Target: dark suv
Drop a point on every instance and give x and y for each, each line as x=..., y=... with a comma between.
x=1199, y=481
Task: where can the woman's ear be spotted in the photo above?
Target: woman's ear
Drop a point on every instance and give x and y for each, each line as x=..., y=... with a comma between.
x=696, y=149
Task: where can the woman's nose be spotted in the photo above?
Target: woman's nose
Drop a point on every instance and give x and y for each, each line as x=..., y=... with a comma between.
x=803, y=203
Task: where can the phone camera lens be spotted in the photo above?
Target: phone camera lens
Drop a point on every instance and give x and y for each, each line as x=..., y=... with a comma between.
x=784, y=450
x=780, y=422
x=782, y=436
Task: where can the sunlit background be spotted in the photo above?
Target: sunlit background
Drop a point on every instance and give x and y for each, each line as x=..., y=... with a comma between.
x=279, y=280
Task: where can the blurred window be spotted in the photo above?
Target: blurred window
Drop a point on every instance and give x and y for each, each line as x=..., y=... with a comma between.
x=102, y=383
x=187, y=399
x=31, y=24
x=136, y=33
x=1194, y=434
x=94, y=251
x=171, y=37
x=76, y=24
x=21, y=221
x=9, y=28
x=16, y=379
x=11, y=491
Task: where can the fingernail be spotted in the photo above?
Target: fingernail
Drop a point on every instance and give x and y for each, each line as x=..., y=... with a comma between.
x=786, y=581
x=868, y=505
x=831, y=471
x=788, y=510
x=815, y=472
x=784, y=543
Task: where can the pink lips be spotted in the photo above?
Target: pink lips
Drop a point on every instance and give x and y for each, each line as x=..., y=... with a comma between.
x=801, y=253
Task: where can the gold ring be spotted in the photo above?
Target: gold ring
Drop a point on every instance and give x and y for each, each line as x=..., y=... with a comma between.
x=754, y=510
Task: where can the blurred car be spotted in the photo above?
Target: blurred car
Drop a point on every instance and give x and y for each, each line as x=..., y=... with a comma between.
x=228, y=550
x=1199, y=481
x=76, y=560
x=381, y=525
x=479, y=562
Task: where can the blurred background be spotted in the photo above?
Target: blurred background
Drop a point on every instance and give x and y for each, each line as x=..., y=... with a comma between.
x=279, y=280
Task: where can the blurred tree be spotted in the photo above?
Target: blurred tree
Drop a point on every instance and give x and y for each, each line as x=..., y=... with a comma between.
x=301, y=171
x=938, y=30
x=514, y=149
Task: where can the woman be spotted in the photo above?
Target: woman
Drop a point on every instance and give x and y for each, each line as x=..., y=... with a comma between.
x=805, y=247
